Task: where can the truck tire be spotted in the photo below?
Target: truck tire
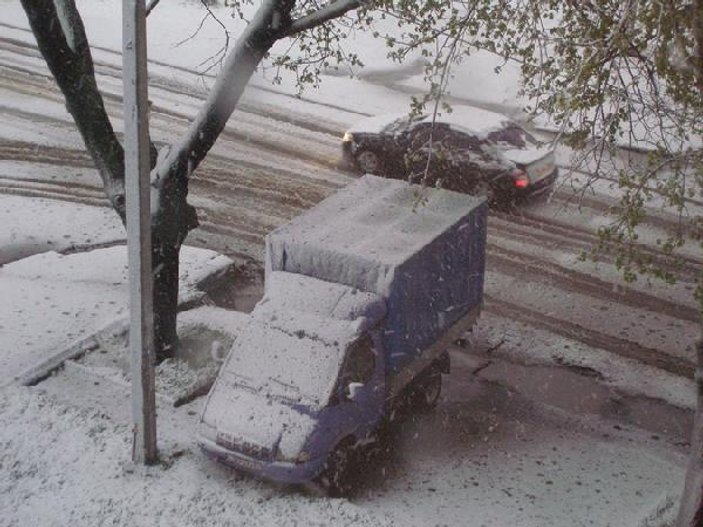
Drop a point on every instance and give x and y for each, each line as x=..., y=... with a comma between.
x=427, y=389
x=483, y=188
x=335, y=479
x=369, y=162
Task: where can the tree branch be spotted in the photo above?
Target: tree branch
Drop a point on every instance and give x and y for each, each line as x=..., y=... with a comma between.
x=61, y=38
x=250, y=49
x=330, y=11
x=151, y=5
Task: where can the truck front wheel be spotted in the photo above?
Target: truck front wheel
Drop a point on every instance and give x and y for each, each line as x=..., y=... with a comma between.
x=428, y=389
x=336, y=478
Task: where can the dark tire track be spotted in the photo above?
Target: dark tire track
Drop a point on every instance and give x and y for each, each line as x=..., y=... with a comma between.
x=242, y=200
x=581, y=239
x=622, y=347
x=517, y=264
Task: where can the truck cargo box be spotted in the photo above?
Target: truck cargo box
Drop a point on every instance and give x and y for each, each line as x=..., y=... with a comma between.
x=421, y=249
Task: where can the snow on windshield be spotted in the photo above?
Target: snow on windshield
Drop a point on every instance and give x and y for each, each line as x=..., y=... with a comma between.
x=279, y=358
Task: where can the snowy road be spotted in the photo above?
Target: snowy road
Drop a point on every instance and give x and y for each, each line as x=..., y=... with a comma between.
x=280, y=155
x=568, y=407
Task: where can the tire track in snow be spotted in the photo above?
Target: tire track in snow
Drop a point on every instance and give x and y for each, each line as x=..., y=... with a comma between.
x=618, y=346
x=333, y=163
x=253, y=199
x=518, y=264
x=581, y=239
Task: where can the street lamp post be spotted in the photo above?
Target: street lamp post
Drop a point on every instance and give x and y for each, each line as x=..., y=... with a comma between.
x=137, y=193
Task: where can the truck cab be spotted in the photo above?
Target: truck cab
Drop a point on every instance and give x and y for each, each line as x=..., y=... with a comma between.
x=363, y=294
x=306, y=375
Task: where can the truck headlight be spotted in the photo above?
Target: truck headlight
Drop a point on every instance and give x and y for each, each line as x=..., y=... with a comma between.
x=303, y=457
x=348, y=137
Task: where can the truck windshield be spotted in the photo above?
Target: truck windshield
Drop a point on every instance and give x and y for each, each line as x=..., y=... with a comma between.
x=293, y=367
x=361, y=361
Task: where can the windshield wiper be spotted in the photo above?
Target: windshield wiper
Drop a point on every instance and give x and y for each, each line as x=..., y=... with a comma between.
x=241, y=380
x=285, y=384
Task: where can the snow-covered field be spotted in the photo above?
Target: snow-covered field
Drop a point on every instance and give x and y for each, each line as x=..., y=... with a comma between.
x=486, y=456
x=507, y=445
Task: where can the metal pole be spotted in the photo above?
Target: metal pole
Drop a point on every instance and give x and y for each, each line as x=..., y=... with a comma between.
x=137, y=190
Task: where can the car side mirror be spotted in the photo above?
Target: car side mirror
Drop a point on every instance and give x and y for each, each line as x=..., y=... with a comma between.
x=353, y=390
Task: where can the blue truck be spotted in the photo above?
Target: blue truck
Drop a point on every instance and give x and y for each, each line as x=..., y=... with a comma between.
x=363, y=295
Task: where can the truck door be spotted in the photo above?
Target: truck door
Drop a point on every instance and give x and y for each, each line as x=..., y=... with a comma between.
x=363, y=382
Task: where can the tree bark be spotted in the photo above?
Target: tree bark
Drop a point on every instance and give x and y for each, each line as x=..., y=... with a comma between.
x=691, y=507
x=165, y=259
x=172, y=220
x=68, y=56
x=61, y=38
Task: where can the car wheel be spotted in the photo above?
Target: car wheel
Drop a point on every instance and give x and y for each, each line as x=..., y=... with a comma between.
x=368, y=162
x=485, y=189
x=335, y=479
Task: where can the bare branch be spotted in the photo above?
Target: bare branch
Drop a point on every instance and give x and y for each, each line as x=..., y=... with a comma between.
x=240, y=65
x=330, y=11
x=151, y=5
x=69, y=59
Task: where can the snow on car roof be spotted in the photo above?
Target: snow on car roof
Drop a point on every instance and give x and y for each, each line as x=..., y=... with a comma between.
x=377, y=124
x=471, y=120
x=467, y=119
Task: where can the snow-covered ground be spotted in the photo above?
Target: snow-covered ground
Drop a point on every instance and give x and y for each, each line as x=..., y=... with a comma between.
x=487, y=456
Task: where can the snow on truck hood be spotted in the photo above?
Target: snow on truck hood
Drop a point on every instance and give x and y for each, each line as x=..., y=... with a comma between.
x=285, y=364
x=293, y=347
x=289, y=292
x=247, y=422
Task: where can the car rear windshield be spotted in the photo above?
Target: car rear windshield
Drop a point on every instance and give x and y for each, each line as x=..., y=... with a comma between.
x=513, y=136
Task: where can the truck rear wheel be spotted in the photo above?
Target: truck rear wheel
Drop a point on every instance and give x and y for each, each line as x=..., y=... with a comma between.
x=368, y=162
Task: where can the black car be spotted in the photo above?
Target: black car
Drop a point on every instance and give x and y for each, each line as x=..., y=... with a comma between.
x=468, y=150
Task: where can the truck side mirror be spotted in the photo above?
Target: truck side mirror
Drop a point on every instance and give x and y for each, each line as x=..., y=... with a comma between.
x=353, y=390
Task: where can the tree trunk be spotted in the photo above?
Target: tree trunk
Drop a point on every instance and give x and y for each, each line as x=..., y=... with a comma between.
x=165, y=261
x=171, y=222
x=691, y=508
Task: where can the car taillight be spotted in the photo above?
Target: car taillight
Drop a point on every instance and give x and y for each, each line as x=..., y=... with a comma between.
x=520, y=178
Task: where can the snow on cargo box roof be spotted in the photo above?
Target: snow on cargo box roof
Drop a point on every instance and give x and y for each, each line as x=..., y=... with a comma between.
x=421, y=249
x=360, y=234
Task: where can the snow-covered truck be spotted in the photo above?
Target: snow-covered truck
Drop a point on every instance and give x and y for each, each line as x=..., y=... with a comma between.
x=363, y=294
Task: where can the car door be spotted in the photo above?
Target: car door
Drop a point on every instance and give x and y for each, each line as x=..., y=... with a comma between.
x=468, y=163
x=364, y=369
x=424, y=152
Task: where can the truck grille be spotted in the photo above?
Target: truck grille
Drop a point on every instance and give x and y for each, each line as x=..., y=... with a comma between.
x=244, y=447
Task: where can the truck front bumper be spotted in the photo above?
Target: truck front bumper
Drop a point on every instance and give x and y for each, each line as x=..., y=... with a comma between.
x=280, y=471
